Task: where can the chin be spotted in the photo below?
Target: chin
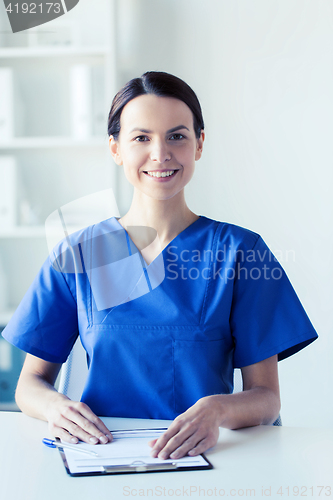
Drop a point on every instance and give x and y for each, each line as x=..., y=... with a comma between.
x=162, y=196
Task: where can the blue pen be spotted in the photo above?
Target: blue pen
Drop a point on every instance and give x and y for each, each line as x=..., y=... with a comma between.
x=51, y=443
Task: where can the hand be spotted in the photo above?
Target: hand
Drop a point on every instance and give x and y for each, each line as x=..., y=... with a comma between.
x=71, y=421
x=192, y=432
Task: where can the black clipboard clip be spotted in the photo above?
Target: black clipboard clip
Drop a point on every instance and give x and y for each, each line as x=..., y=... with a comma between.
x=139, y=466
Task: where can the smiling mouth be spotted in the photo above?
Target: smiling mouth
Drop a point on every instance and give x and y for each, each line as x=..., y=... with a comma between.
x=159, y=173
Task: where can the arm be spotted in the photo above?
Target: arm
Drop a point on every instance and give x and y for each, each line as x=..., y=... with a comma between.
x=68, y=420
x=197, y=429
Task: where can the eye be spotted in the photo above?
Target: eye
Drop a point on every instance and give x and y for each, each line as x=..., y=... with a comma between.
x=141, y=138
x=177, y=137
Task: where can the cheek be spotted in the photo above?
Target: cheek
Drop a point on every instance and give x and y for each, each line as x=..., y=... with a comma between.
x=186, y=156
x=133, y=157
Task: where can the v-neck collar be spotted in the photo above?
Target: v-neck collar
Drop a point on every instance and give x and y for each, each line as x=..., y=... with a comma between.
x=185, y=230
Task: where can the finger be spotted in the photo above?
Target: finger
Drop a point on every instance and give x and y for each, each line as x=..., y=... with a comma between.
x=201, y=447
x=64, y=435
x=178, y=448
x=189, y=445
x=175, y=442
x=70, y=431
x=152, y=443
x=198, y=443
x=95, y=420
x=161, y=442
x=174, y=428
x=81, y=427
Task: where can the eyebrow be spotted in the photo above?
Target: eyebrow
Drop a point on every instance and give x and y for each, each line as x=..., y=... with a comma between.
x=145, y=131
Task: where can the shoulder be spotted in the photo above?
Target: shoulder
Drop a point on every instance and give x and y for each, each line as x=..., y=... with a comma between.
x=67, y=254
x=232, y=235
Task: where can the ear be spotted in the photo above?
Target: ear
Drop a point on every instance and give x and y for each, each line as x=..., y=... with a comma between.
x=114, y=149
x=199, y=149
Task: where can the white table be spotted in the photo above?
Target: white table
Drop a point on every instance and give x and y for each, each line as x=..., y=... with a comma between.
x=257, y=462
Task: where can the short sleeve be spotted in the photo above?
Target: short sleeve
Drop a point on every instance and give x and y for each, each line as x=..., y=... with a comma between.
x=267, y=318
x=45, y=323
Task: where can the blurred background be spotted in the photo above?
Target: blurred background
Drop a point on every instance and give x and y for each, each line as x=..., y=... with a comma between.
x=263, y=72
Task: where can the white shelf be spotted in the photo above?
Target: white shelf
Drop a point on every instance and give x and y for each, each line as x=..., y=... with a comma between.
x=35, y=231
x=53, y=169
x=53, y=142
x=23, y=232
x=24, y=52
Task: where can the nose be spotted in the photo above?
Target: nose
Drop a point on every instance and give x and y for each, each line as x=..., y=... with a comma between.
x=160, y=152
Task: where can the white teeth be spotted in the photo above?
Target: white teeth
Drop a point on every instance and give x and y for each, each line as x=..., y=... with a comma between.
x=161, y=174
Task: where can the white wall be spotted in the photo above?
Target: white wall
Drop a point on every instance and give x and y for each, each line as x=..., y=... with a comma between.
x=263, y=71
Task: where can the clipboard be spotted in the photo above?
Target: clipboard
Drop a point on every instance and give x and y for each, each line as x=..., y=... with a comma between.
x=128, y=453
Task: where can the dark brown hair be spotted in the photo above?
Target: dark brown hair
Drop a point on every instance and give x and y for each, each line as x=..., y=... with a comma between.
x=160, y=84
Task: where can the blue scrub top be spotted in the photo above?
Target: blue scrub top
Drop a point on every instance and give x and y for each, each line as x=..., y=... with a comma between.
x=160, y=337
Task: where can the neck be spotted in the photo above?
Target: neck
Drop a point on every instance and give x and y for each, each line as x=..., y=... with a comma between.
x=167, y=217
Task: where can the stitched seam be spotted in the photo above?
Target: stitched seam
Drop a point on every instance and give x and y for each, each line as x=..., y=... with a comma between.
x=203, y=311
x=173, y=369
x=63, y=277
x=89, y=291
x=128, y=243
x=256, y=242
x=68, y=287
x=147, y=280
x=144, y=327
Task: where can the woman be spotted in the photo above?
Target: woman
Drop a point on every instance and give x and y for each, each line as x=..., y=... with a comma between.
x=168, y=346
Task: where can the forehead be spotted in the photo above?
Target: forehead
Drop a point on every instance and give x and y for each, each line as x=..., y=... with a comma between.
x=150, y=111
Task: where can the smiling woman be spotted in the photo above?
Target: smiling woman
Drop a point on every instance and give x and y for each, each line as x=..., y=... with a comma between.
x=164, y=342
x=162, y=148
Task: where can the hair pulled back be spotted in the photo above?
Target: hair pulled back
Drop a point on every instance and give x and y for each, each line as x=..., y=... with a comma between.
x=160, y=84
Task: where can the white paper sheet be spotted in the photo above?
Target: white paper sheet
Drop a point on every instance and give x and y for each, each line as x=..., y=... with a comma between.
x=128, y=448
